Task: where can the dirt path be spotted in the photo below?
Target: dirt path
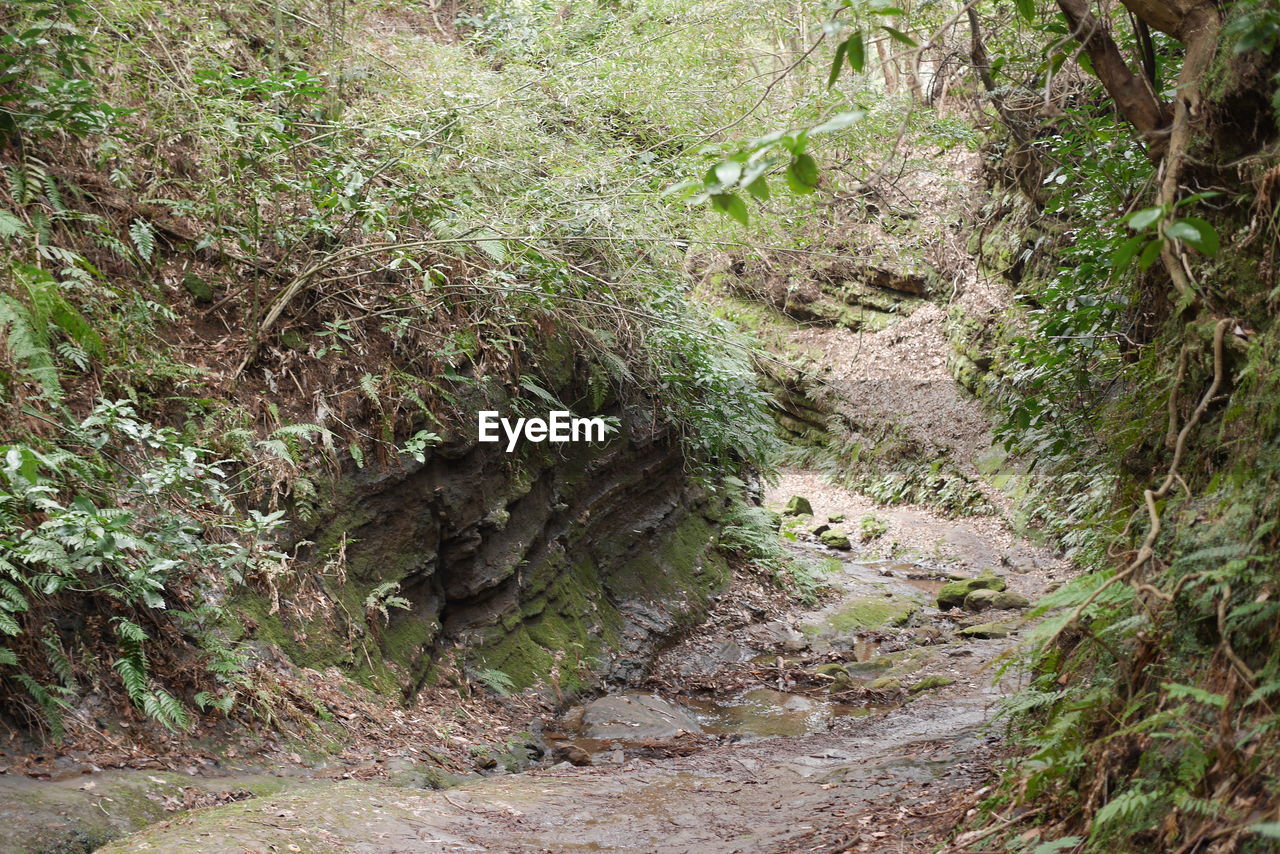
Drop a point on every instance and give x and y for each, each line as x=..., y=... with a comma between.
x=873, y=770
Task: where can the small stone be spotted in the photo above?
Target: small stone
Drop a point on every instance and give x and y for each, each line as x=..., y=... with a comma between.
x=819, y=529
x=798, y=506
x=835, y=518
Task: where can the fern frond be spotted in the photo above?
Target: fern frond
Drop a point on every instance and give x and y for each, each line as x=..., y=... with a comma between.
x=1130, y=807
x=29, y=347
x=144, y=238
x=10, y=225
x=58, y=659
x=53, y=193
x=130, y=631
x=134, y=678
x=277, y=448
x=370, y=385
x=51, y=705
x=69, y=351
x=299, y=431
x=165, y=708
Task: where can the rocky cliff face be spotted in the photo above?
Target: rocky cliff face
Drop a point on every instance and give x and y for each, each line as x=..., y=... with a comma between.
x=560, y=564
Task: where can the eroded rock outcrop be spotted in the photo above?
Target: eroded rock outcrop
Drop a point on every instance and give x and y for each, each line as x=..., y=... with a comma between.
x=558, y=564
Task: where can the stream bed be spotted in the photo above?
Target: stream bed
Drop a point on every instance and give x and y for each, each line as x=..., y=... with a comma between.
x=751, y=735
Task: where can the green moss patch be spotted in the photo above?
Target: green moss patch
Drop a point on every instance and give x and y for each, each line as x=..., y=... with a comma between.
x=867, y=613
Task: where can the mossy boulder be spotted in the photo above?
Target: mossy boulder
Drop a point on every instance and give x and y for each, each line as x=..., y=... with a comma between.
x=835, y=518
x=981, y=599
x=864, y=669
x=870, y=613
x=839, y=676
x=1007, y=600
x=998, y=600
x=798, y=505
x=952, y=595
x=930, y=683
x=884, y=685
x=836, y=539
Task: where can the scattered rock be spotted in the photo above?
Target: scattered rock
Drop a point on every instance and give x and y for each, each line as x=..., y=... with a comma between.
x=930, y=683
x=835, y=518
x=952, y=595
x=819, y=529
x=987, y=631
x=798, y=506
x=629, y=717
x=836, y=539
x=565, y=751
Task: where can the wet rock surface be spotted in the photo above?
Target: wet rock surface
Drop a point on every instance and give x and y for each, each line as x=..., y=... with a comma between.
x=631, y=717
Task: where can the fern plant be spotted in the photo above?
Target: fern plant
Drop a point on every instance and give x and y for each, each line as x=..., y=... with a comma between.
x=63, y=533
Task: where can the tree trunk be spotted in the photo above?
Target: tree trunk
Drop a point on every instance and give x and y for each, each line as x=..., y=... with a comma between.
x=1132, y=92
x=887, y=69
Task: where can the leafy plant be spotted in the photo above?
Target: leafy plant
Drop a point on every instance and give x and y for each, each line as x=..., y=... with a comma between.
x=46, y=81
x=384, y=597
x=497, y=681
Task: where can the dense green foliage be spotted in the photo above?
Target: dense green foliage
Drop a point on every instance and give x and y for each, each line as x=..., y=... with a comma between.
x=1150, y=415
